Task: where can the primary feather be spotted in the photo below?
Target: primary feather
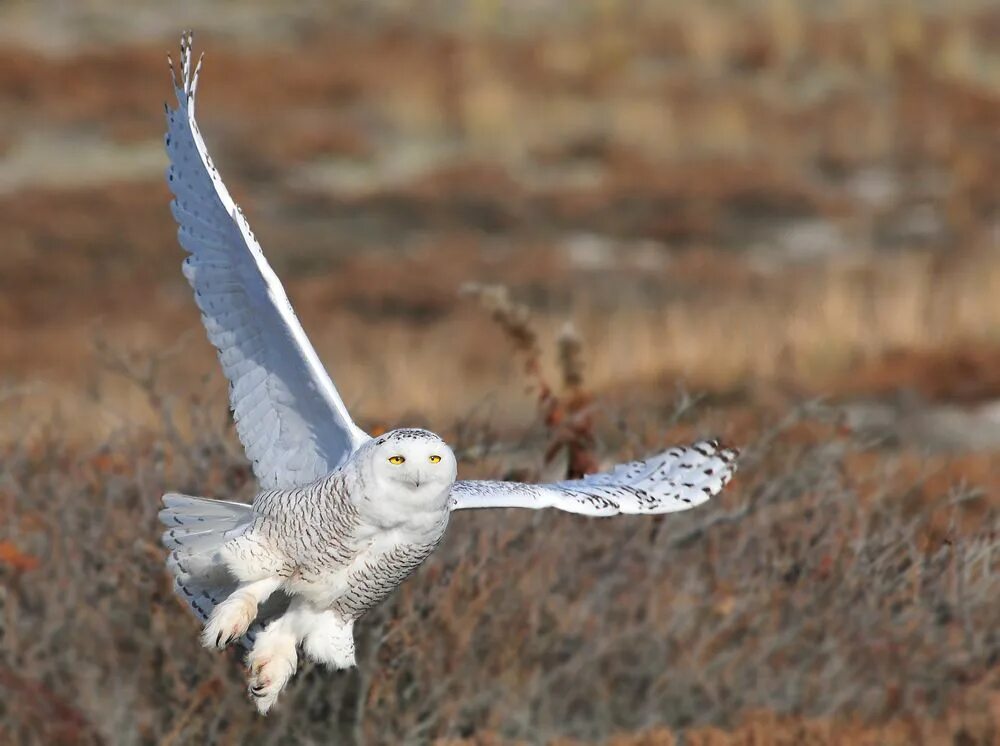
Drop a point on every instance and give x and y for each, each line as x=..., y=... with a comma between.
x=289, y=416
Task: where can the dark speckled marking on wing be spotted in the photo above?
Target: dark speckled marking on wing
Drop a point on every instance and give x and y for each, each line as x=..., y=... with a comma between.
x=677, y=479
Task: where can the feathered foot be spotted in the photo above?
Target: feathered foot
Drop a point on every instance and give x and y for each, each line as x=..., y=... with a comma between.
x=230, y=620
x=270, y=664
x=329, y=640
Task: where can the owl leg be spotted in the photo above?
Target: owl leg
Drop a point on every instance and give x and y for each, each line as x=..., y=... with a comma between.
x=272, y=661
x=231, y=619
x=328, y=638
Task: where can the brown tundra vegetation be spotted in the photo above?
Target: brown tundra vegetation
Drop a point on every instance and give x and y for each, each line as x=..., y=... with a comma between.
x=562, y=235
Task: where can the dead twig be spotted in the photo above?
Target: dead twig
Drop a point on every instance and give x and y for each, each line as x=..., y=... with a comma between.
x=566, y=415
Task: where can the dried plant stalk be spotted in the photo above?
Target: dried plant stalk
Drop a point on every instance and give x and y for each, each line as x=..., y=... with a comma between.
x=567, y=416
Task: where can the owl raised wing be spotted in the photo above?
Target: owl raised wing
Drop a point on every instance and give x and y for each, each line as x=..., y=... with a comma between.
x=289, y=416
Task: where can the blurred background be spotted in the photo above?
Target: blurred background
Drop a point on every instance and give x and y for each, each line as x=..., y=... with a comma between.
x=773, y=221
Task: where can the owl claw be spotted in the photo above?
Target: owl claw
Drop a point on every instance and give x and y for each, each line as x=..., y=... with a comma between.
x=229, y=620
x=270, y=665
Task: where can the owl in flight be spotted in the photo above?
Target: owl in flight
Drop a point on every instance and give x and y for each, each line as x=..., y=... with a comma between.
x=342, y=517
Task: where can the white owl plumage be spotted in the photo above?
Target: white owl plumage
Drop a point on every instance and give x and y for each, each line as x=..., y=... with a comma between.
x=343, y=518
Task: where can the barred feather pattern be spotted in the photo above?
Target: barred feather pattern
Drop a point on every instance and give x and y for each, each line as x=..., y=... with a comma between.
x=196, y=531
x=318, y=532
x=342, y=543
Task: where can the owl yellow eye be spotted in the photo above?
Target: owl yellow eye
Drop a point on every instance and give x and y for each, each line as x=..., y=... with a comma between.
x=397, y=460
x=435, y=459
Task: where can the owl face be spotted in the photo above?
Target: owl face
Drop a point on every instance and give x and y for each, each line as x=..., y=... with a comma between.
x=415, y=464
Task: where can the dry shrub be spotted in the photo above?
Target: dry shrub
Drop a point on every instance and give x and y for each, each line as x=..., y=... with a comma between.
x=814, y=586
x=567, y=416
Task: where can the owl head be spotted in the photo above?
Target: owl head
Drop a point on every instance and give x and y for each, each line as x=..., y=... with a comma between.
x=413, y=467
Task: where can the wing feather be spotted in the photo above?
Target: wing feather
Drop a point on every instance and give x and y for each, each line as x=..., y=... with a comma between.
x=290, y=418
x=677, y=479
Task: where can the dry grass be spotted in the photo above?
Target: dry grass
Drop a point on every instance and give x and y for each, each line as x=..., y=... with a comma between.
x=826, y=583
x=805, y=328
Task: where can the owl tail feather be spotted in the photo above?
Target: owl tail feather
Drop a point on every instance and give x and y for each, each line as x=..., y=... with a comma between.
x=196, y=530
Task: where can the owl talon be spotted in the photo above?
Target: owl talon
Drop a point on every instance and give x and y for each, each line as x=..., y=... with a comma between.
x=270, y=665
x=229, y=620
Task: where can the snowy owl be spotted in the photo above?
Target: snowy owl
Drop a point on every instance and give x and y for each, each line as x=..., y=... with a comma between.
x=342, y=517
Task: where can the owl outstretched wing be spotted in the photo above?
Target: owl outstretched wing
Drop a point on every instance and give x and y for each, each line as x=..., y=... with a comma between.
x=677, y=479
x=289, y=416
